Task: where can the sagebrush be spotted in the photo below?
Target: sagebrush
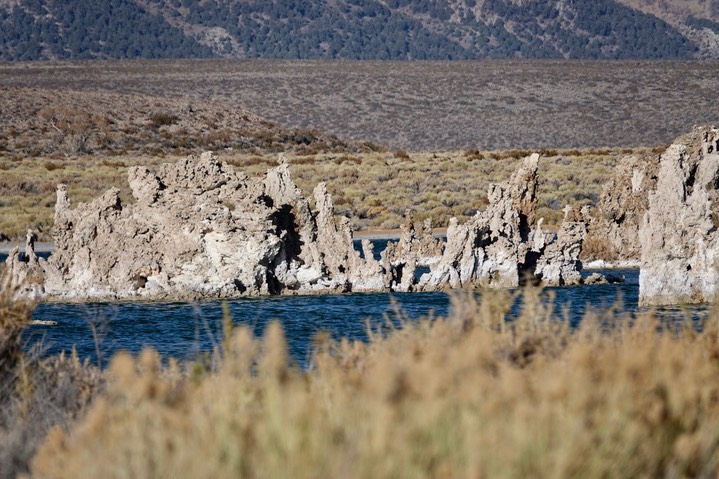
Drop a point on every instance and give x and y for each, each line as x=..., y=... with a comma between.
x=472, y=395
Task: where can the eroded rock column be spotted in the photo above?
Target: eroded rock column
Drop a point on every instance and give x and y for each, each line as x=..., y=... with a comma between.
x=679, y=235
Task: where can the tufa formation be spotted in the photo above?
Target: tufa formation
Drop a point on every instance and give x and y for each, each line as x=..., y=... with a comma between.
x=199, y=228
x=679, y=233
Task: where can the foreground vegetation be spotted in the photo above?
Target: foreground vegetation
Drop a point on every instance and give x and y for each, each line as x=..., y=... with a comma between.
x=471, y=395
x=36, y=393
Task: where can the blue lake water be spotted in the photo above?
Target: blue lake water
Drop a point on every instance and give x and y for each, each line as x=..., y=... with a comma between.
x=185, y=330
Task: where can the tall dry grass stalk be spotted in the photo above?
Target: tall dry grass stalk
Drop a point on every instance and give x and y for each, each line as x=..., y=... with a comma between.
x=35, y=394
x=470, y=396
x=14, y=318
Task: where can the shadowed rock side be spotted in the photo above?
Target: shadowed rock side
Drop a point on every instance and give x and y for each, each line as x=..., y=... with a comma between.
x=614, y=229
x=679, y=236
x=198, y=228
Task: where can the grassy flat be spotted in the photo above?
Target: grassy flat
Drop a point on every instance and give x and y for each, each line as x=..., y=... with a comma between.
x=373, y=189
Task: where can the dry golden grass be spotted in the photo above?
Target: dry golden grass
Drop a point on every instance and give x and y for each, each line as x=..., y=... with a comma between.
x=373, y=189
x=473, y=395
x=14, y=318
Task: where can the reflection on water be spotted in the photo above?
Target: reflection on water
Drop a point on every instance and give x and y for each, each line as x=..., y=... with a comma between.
x=41, y=254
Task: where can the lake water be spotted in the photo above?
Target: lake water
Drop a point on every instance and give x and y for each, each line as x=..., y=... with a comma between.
x=184, y=330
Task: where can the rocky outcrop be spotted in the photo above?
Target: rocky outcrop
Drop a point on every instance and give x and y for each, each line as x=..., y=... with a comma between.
x=597, y=278
x=559, y=264
x=198, y=228
x=489, y=249
x=401, y=259
x=614, y=230
x=679, y=233
x=497, y=248
x=558, y=261
x=423, y=245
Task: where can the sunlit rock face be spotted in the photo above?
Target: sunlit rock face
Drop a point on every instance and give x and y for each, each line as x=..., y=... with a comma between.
x=679, y=236
x=497, y=248
x=614, y=230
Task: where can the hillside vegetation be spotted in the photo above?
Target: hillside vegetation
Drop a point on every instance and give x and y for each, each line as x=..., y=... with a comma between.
x=354, y=29
x=673, y=11
x=698, y=20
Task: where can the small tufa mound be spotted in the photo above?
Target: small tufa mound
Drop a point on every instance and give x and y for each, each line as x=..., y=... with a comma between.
x=23, y=272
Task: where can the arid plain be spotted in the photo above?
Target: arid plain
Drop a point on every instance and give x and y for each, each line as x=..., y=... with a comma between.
x=425, y=106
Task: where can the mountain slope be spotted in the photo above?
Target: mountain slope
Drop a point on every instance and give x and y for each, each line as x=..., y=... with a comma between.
x=665, y=9
x=53, y=29
x=695, y=19
x=354, y=29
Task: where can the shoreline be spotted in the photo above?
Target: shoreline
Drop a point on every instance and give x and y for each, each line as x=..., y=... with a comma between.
x=600, y=264
x=40, y=247
x=44, y=247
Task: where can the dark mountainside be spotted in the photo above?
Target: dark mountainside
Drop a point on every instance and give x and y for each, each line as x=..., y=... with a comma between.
x=357, y=29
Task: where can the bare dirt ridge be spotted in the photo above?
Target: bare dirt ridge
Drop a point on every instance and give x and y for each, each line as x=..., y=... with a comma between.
x=66, y=123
